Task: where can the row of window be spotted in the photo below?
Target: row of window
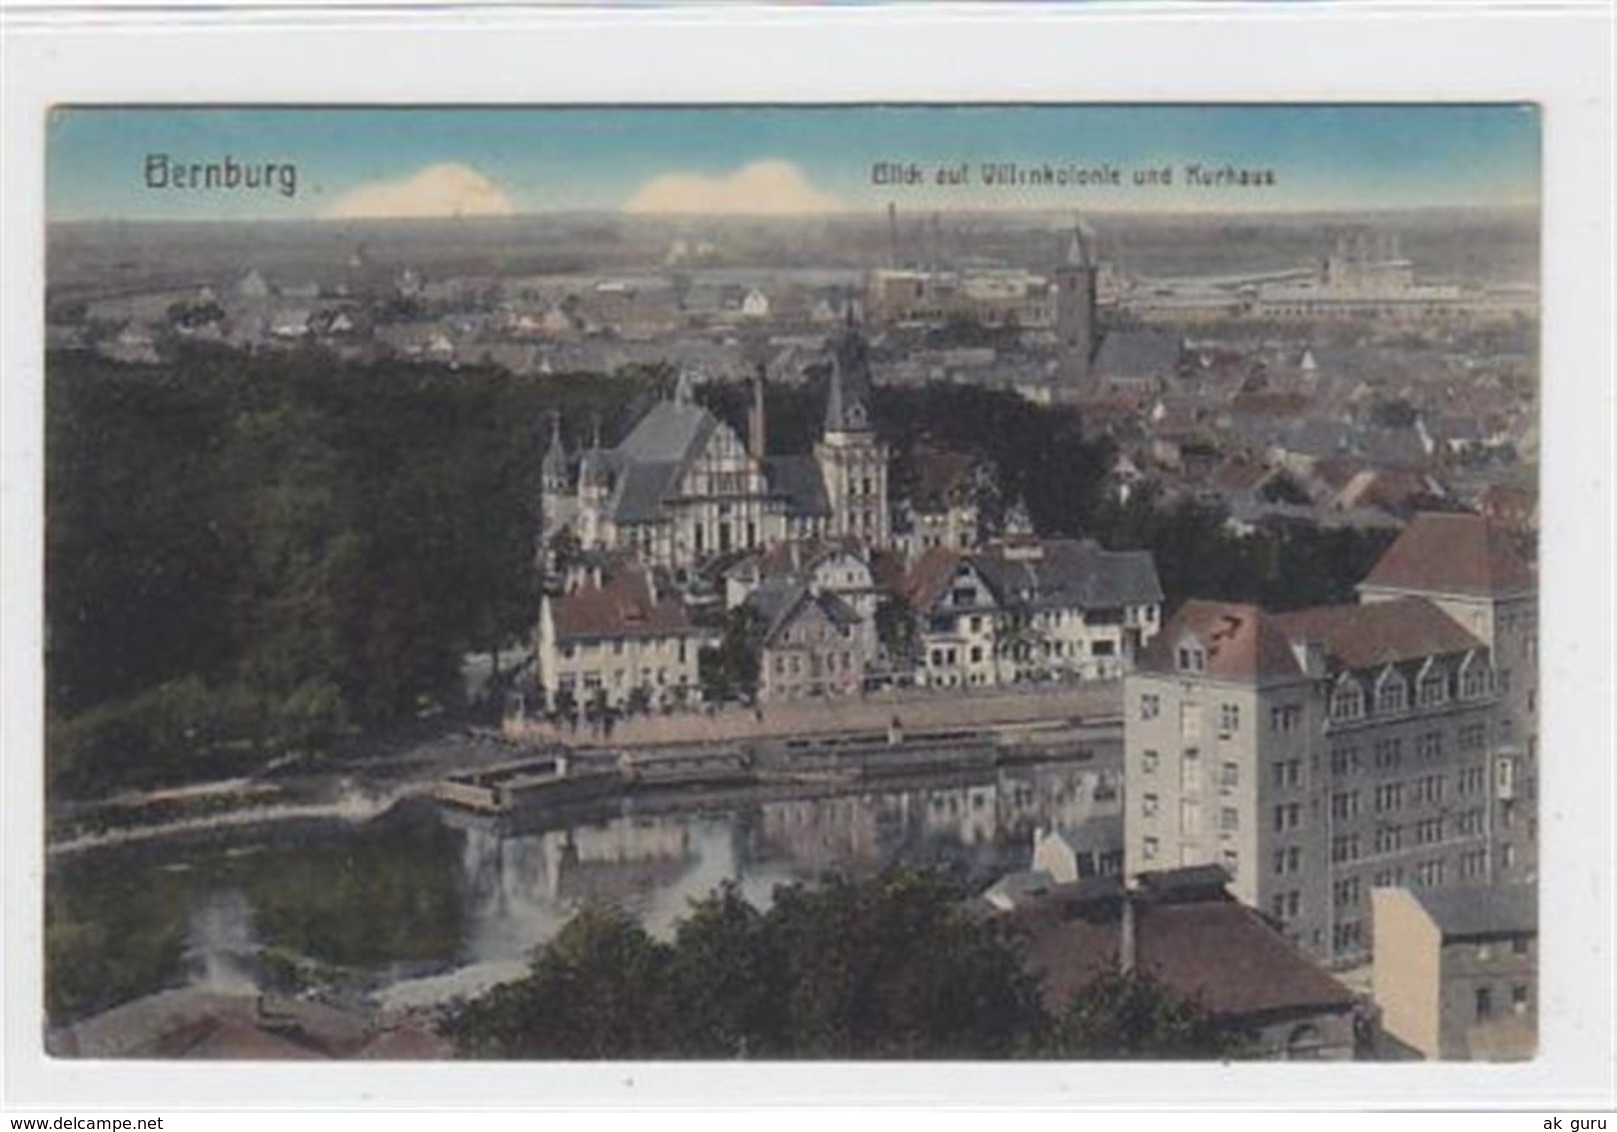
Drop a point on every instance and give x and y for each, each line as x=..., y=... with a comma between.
x=574, y=650
x=1190, y=814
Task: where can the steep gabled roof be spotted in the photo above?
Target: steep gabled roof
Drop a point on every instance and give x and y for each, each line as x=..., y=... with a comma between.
x=1242, y=642
x=798, y=480
x=672, y=431
x=1443, y=553
x=628, y=604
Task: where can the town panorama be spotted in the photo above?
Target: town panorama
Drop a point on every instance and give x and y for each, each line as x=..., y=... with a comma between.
x=753, y=618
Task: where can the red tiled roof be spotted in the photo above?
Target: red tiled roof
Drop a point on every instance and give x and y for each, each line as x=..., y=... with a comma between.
x=930, y=576
x=626, y=605
x=1454, y=554
x=1219, y=953
x=1380, y=632
x=1242, y=642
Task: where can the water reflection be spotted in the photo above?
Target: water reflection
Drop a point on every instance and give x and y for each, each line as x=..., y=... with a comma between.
x=520, y=887
x=424, y=905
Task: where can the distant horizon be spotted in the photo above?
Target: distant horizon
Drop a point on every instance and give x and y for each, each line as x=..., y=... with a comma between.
x=737, y=161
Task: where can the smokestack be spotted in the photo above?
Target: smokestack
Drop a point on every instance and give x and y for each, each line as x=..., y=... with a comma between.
x=892, y=234
x=756, y=433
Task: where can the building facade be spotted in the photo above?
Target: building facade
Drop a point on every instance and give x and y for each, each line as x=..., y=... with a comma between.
x=1315, y=755
x=616, y=642
x=1456, y=971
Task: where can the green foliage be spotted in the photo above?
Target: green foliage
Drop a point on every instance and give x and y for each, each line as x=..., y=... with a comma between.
x=731, y=670
x=596, y=991
x=250, y=554
x=1132, y=1015
x=892, y=967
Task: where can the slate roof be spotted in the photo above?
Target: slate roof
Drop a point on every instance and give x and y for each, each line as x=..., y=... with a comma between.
x=1069, y=573
x=1138, y=353
x=640, y=490
x=1463, y=913
x=1454, y=554
x=798, y=479
x=672, y=431
x=779, y=602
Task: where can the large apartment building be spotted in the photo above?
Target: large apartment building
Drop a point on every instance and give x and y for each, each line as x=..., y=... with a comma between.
x=1322, y=753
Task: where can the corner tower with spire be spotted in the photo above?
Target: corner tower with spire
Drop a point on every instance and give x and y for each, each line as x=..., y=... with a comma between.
x=852, y=461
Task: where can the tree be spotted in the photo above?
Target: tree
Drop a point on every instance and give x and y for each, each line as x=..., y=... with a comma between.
x=731, y=670
x=726, y=980
x=1133, y=1015
x=595, y=991
x=1282, y=487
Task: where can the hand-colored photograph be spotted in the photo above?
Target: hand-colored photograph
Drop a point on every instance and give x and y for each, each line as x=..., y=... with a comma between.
x=857, y=582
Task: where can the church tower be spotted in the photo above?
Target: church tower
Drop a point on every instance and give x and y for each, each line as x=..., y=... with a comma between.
x=852, y=462
x=1075, y=312
x=558, y=507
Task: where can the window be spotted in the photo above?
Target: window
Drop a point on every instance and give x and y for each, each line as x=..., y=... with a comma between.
x=1192, y=659
x=1285, y=717
x=1190, y=817
x=1190, y=770
x=1518, y=998
x=1434, y=687
x=1229, y=819
x=1150, y=706
x=1518, y=945
x=1148, y=848
x=1345, y=893
x=1345, y=848
x=1429, y=745
x=1474, y=684
x=1389, y=753
x=1288, y=861
x=1390, y=695
x=1473, y=736
x=1484, y=1003
x=1229, y=719
x=1389, y=796
x=1345, y=805
x=1148, y=805
x=1345, y=760
x=1148, y=762
x=1232, y=863
x=1347, y=703
x=1190, y=720
x=1389, y=839
x=1471, y=780
x=1230, y=776
x=1288, y=816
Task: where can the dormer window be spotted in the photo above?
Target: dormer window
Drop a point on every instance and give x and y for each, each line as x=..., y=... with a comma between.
x=1392, y=693
x=1474, y=678
x=1192, y=658
x=1434, y=685
x=1347, y=702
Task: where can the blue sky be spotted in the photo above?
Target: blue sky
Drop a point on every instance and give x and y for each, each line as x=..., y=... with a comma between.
x=537, y=160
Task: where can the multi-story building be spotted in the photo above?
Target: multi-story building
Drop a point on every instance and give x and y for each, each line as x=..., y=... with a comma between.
x=811, y=642
x=1027, y=610
x=1456, y=971
x=1315, y=755
x=1479, y=571
x=618, y=641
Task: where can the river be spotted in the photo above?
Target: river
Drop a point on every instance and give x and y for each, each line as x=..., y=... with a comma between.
x=420, y=905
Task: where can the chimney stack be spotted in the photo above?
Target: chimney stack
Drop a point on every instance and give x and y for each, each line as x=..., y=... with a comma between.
x=756, y=430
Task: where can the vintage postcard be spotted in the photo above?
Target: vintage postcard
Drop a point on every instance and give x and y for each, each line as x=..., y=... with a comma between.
x=897, y=582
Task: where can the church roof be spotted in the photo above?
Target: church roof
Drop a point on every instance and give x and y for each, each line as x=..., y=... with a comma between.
x=798, y=478
x=641, y=489
x=847, y=400
x=674, y=430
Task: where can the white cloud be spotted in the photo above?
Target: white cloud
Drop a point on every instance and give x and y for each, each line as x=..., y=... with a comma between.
x=763, y=188
x=448, y=189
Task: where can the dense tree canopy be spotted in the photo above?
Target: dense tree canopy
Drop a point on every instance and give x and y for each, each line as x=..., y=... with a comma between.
x=894, y=967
